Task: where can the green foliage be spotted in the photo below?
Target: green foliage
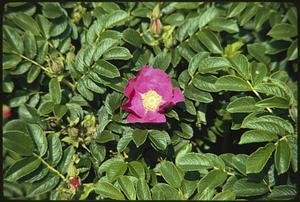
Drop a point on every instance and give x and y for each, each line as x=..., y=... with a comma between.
x=65, y=67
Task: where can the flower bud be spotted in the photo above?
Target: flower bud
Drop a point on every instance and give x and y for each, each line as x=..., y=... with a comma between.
x=74, y=183
x=155, y=26
x=6, y=112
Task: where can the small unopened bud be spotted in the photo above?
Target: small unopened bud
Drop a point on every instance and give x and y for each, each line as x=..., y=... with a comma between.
x=155, y=26
x=73, y=132
x=6, y=112
x=74, y=183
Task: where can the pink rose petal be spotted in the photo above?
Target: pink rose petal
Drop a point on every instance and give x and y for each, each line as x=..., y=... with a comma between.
x=150, y=79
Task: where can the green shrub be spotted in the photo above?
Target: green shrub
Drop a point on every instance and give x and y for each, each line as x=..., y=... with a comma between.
x=65, y=66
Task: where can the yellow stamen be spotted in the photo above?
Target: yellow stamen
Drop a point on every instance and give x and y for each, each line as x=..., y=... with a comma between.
x=151, y=100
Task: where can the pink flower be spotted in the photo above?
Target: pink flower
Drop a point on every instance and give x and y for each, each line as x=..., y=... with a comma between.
x=148, y=94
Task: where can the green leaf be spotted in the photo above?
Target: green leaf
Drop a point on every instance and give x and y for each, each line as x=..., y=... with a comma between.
x=55, y=150
x=187, y=130
x=66, y=160
x=212, y=64
x=182, y=31
x=239, y=162
x=106, y=69
x=210, y=41
x=8, y=87
x=92, y=34
x=136, y=169
x=205, y=82
x=60, y=111
x=42, y=51
x=195, y=62
x=30, y=44
x=124, y=141
x=113, y=102
x=133, y=37
x=103, y=119
x=293, y=144
x=13, y=38
x=292, y=52
x=171, y=174
x=18, y=142
x=241, y=65
x=52, y=10
x=208, y=15
x=127, y=186
x=283, y=31
x=273, y=102
x=55, y=90
x=33, y=73
x=91, y=85
x=225, y=195
x=46, y=107
x=139, y=136
x=43, y=186
x=58, y=26
x=236, y=8
x=162, y=191
x=269, y=123
x=258, y=159
x=16, y=125
x=206, y=194
x=242, y=104
x=253, y=136
x=282, y=156
x=194, y=94
x=248, y=14
x=232, y=83
x=283, y=192
x=108, y=190
x=104, y=46
x=160, y=139
x=116, y=169
x=212, y=180
x=104, y=136
x=174, y=19
x=10, y=61
x=98, y=152
x=261, y=17
x=84, y=91
x=270, y=89
x=162, y=61
x=185, y=51
x=142, y=190
x=245, y=188
x=21, y=168
x=223, y=24
x=258, y=50
x=115, y=18
x=193, y=162
x=39, y=138
x=117, y=53
x=44, y=24
x=27, y=23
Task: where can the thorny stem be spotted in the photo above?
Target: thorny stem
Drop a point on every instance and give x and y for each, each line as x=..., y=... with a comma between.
x=257, y=94
x=50, y=167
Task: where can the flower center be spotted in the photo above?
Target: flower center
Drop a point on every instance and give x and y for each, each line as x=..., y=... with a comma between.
x=151, y=100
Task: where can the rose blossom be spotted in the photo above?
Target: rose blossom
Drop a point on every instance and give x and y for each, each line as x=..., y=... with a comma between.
x=148, y=94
